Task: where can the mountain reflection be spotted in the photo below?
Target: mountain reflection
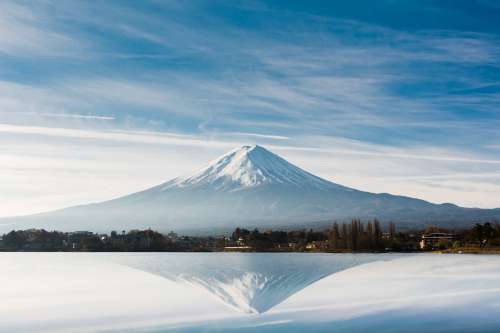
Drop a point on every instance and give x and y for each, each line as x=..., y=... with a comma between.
x=252, y=282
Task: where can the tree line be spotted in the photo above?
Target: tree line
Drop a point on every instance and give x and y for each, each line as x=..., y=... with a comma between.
x=355, y=236
x=132, y=241
x=342, y=237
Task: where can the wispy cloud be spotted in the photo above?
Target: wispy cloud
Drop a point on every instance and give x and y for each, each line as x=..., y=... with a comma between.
x=116, y=135
x=258, y=135
x=72, y=116
x=349, y=147
x=99, y=164
x=26, y=33
x=364, y=103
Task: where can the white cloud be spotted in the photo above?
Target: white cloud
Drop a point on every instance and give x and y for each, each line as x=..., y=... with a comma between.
x=65, y=115
x=25, y=32
x=257, y=135
x=47, y=168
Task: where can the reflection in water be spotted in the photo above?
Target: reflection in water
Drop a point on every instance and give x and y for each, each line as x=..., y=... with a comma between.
x=364, y=293
x=253, y=282
x=275, y=293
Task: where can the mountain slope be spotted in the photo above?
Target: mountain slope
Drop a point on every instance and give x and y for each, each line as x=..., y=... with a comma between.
x=248, y=187
x=247, y=167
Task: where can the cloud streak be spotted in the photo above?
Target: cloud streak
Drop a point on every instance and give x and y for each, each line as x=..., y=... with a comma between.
x=420, y=104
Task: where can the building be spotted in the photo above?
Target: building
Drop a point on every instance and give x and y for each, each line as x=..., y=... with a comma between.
x=238, y=249
x=240, y=241
x=317, y=245
x=434, y=240
x=172, y=236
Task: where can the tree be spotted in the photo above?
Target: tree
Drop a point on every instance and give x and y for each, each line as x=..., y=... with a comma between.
x=392, y=230
x=345, y=236
x=377, y=234
x=369, y=232
x=236, y=234
x=15, y=239
x=333, y=236
x=484, y=233
x=355, y=230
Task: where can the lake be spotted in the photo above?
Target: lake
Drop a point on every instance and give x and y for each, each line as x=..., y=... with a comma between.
x=248, y=292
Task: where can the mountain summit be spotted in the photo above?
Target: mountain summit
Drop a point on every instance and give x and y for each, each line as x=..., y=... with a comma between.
x=246, y=167
x=247, y=187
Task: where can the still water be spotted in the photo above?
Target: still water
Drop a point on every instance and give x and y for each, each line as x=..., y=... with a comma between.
x=231, y=292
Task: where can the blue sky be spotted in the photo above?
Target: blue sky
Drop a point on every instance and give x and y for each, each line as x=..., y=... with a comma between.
x=392, y=96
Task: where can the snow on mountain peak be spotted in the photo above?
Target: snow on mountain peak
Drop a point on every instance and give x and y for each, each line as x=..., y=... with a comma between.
x=249, y=166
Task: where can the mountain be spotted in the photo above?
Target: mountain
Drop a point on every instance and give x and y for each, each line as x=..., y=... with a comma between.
x=247, y=187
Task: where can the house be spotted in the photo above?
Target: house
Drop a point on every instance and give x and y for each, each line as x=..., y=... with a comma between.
x=386, y=235
x=238, y=249
x=433, y=240
x=317, y=245
x=172, y=236
x=311, y=246
x=240, y=241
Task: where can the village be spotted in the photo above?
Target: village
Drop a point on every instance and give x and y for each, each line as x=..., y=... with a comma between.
x=347, y=237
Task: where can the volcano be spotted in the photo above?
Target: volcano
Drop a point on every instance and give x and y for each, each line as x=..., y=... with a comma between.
x=248, y=187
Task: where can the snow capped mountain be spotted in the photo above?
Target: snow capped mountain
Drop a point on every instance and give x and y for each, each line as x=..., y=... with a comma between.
x=247, y=187
x=249, y=166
